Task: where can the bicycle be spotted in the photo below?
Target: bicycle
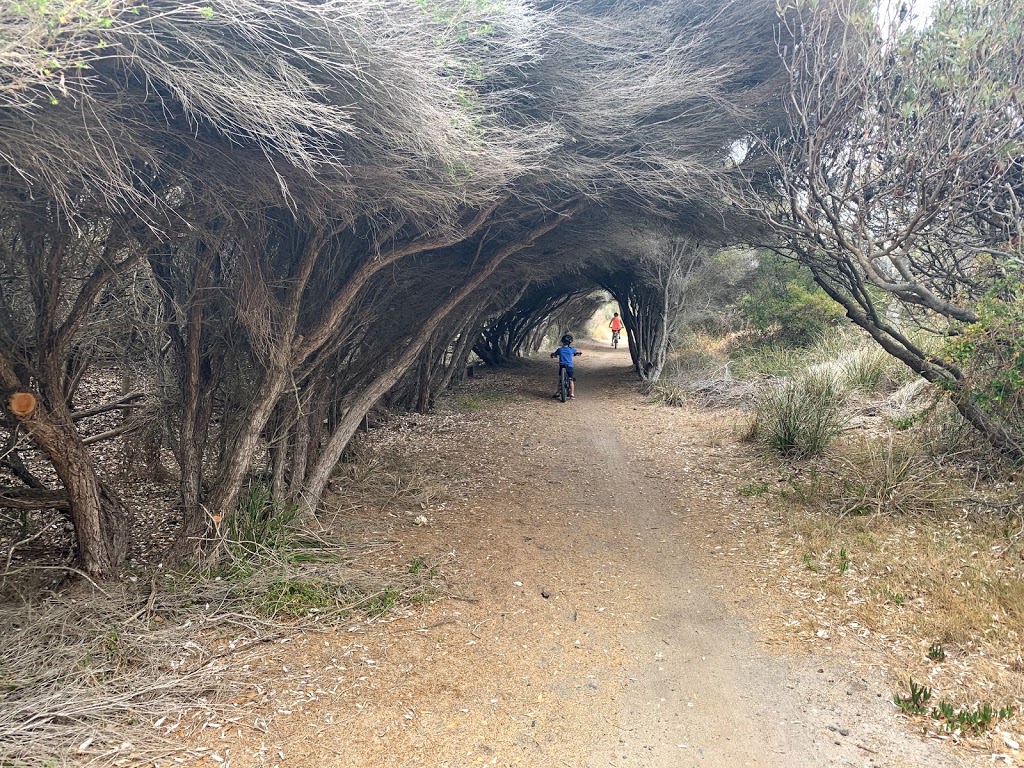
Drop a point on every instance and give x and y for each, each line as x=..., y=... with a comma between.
x=615, y=339
x=565, y=355
x=563, y=383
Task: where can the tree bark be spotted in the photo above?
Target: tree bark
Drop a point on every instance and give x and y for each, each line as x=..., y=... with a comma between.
x=101, y=525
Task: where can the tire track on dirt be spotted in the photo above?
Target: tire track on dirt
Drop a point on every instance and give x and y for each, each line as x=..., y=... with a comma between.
x=691, y=694
x=697, y=690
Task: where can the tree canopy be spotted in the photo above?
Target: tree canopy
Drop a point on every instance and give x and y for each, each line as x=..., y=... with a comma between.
x=283, y=212
x=265, y=218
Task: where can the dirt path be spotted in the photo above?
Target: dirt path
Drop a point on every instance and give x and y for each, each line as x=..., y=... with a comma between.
x=594, y=632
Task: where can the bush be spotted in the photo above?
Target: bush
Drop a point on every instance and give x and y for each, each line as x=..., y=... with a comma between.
x=801, y=416
x=694, y=357
x=785, y=304
x=990, y=354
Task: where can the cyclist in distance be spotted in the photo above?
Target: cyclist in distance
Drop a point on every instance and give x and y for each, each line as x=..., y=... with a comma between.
x=565, y=355
x=616, y=326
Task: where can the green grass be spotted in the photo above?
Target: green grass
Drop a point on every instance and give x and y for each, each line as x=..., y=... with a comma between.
x=296, y=599
x=755, y=488
x=976, y=719
x=800, y=417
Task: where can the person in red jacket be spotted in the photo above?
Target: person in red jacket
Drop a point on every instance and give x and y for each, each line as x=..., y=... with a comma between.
x=616, y=326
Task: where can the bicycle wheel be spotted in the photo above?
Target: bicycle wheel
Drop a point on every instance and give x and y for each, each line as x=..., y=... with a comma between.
x=615, y=340
x=563, y=384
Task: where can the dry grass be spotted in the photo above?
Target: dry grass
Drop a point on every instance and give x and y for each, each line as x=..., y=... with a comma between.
x=134, y=674
x=893, y=542
x=949, y=580
x=699, y=373
x=378, y=482
x=882, y=476
x=114, y=679
x=878, y=543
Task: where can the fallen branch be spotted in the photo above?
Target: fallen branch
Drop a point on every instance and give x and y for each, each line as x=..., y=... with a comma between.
x=33, y=498
x=124, y=429
x=113, y=405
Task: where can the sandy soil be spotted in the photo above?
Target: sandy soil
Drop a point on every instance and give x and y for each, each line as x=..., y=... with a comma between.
x=593, y=620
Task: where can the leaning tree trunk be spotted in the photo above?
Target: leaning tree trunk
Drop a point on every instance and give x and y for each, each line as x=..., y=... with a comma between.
x=62, y=307
x=292, y=349
x=348, y=424
x=1007, y=442
x=100, y=521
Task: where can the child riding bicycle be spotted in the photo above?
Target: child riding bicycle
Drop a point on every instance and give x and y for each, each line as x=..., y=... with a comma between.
x=616, y=326
x=565, y=355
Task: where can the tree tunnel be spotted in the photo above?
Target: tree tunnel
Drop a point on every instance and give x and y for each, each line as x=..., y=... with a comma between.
x=267, y=243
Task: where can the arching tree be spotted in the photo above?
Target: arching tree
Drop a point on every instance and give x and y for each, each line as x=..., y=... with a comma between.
x=901, y=169
x=288, y=170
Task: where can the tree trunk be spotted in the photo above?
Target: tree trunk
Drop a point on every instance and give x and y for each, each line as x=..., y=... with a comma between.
x=243, y=446
x=348, y=424
x=997, y=435
x=302, y=437
x=100, y=520
x=423, y=380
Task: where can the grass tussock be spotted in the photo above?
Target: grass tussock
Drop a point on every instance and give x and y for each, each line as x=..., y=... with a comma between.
x=729, y=371
x=854, y=360
x=800, y=417
x=769, y=362
x=884, y=476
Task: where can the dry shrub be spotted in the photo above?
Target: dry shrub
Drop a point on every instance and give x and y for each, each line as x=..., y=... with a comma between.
x=946, y=435
x=128, y=676
x=699, y=374
x=884, y=477
x=697, y=352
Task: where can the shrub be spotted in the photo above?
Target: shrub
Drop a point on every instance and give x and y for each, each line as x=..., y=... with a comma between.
x=801, y=416
x=944, y=433
x=990, y=353
x=785, y=304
